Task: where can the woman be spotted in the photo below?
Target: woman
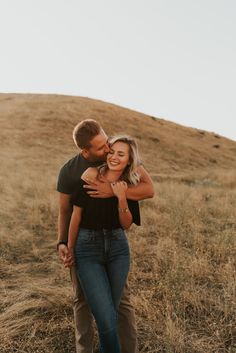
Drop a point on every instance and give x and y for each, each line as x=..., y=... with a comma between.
x=98, y=241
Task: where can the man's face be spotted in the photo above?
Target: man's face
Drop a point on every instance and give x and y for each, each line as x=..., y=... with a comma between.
x=99, y=148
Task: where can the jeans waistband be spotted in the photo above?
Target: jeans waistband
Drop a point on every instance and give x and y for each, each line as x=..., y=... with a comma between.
x=102, y=230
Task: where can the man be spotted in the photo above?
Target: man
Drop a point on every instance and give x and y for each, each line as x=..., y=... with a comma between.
x=91, y=139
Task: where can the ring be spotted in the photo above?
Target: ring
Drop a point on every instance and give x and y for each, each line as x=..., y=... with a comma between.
x=113, y=183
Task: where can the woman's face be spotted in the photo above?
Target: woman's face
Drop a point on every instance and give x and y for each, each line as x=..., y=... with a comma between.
x=118, y=156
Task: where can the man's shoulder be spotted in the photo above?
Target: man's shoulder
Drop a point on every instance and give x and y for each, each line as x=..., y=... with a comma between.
x=76, y=160
x=72, y=170
x=69, y=175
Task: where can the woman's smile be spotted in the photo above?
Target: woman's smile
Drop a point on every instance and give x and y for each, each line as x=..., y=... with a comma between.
x=118, y=156
x=114, y=162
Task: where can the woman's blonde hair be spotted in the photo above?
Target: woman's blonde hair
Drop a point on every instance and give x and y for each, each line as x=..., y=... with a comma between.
x=130, y=174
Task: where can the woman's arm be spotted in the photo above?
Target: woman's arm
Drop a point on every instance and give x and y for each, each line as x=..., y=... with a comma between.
x=90, y=174
x=125, y=217
x=73, y=229
x=74, y=226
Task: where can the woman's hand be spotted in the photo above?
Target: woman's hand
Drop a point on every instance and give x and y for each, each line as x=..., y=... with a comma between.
x=70, y=258
x=119, y=189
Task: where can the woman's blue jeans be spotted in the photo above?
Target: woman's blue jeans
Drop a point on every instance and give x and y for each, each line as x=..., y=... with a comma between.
x=102, y=265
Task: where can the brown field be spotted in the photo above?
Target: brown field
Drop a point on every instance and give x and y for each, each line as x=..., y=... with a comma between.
x=183, y=257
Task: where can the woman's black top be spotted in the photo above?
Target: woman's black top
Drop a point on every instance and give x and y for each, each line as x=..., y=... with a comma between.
x=101, y=213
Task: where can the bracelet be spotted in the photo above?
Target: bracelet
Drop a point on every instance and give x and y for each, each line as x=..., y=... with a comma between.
x=61, y=242
x=123, y=210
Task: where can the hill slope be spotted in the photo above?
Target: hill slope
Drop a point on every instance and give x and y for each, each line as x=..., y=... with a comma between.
x=46, y=121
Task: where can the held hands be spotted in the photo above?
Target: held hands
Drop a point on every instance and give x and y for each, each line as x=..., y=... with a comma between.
x=66, y=255
x=119, y=189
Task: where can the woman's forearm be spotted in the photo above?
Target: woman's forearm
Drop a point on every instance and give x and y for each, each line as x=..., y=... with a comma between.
x=74, y=226
x=125, y=216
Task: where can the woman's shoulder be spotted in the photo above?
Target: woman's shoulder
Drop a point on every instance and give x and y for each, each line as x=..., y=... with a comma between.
x=90, y=173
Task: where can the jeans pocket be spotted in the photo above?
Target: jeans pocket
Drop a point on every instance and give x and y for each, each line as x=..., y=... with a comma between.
x=85, y=235
x=118, y=234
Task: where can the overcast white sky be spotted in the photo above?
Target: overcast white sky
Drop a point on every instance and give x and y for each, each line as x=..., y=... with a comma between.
x=167, y=58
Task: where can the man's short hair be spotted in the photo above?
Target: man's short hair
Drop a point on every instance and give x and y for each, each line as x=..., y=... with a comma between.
x=85, y=131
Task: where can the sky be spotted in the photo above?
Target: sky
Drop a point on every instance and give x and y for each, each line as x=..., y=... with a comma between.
x=171, y=59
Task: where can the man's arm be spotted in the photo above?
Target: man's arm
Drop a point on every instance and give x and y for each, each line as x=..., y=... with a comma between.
x=143, y=190
x=65, y=211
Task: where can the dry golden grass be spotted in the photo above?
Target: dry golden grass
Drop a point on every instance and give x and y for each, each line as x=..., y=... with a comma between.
x=183, y=277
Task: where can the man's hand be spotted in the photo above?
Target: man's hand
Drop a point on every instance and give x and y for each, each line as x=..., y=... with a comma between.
x=98, y=189
x=65, y=255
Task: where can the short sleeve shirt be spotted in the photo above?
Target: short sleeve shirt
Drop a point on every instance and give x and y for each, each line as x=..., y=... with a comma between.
x=70, y=173
x=101, y=213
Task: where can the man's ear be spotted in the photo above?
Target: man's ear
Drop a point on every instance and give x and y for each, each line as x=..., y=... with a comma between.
x=85, y=153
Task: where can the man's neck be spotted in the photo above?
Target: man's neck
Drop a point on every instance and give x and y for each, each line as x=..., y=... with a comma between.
x=91, y=160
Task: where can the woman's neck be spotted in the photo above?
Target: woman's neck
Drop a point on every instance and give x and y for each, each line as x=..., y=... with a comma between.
x=112, y=175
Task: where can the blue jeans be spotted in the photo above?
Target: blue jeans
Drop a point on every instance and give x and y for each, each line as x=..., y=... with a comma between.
x=102, y=265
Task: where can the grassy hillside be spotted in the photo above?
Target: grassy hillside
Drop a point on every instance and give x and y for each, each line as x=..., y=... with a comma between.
x=183, y=257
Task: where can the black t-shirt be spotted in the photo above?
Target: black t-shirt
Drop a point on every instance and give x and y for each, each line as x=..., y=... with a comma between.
x=71, y=172
x=101, y=213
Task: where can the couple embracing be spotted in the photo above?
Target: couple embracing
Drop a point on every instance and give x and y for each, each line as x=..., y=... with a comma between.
x=99, y=190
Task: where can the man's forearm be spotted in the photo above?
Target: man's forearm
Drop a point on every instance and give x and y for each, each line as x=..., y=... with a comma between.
x=140, y=192
x=143, y=190
x=63, y=226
